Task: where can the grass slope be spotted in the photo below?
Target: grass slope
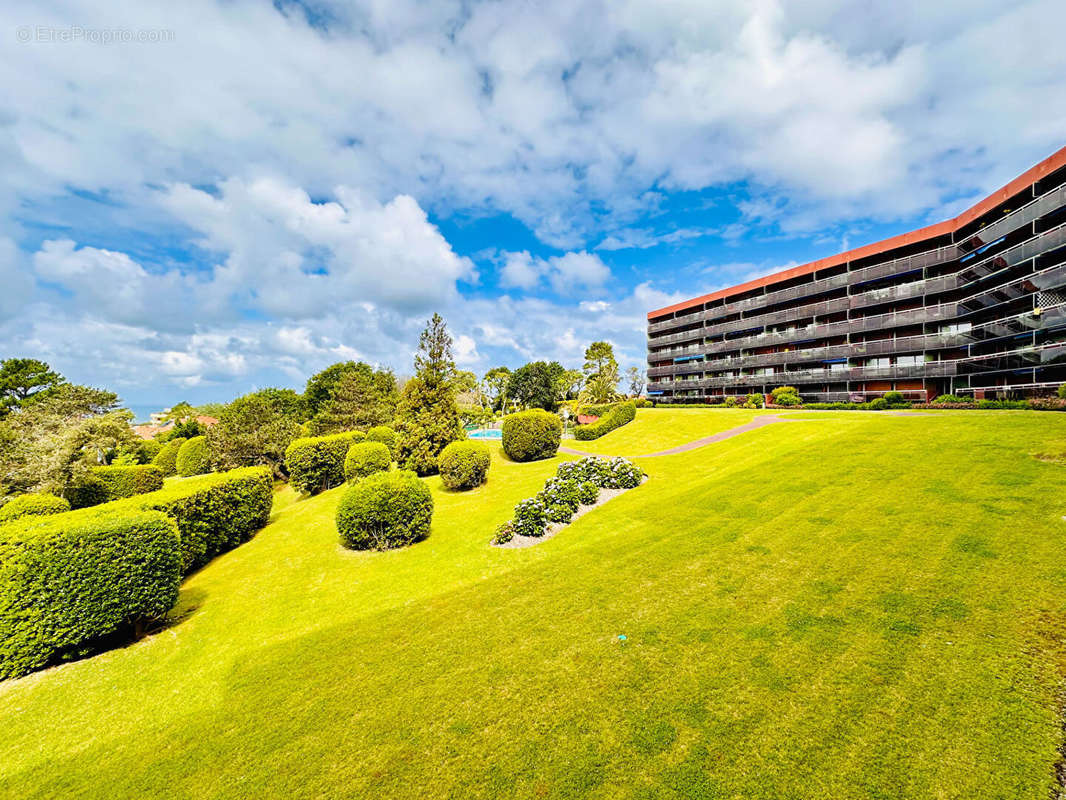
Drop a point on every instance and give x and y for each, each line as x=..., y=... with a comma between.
x=821, y=608
x=658, y=429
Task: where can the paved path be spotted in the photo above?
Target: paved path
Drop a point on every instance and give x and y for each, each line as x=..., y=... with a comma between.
x=758, y=422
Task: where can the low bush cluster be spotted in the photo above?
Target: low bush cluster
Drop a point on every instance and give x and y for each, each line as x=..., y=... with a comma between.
x=620, y=415
x=214, y=512
x=463, y=465
x=194, y=457
x=786, y=396
x=316, y=463
x=366, y=458
x=122, y=482
x=167, y=457
x=69, y=579
x=574, y=484
x=385, y=510
x=28, y=505
x=643, y=402
x=531, y=435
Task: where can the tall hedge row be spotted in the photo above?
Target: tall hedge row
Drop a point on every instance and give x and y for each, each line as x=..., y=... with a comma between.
x=316, y=463
x=618, y=416
x=214, y=512
x=531, y=435
x=166, y=459
x=126, y=481
x=194, y=457
x=67, y=579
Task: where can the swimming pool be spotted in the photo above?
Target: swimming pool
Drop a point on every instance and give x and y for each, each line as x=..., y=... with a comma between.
x=485, y=433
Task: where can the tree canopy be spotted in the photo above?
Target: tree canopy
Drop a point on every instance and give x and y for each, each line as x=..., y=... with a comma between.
x=24, y=380
x=537, y=384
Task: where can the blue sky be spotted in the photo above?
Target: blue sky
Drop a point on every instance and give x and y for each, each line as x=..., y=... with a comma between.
x=257, y=190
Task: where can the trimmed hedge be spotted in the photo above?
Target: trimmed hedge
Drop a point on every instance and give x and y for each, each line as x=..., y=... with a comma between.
x=531, y=435
x=366, y=458
x=69, y=579
x=166, y=459
x=597, y=410
x=316, y=463
x=385, y=510
x=618, y=416
x=122, y=482
x=87, y=490
x=28, y=505
x=463, y=465
x=386, y=435
x=194, y=457
x=214, y=512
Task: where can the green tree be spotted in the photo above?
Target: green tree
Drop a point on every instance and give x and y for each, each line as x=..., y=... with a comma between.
x=600, y=360
x=50, y=444
x=428, y=417
x=568, y=385
x=320, y=386
x=25, y=380
x=536, y=385
x=635, y=377
x=599, y=389
x=495, y=386
x=252, y=430
x=363, y=398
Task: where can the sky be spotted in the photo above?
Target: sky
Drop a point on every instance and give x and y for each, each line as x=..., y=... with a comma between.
x=203, y=198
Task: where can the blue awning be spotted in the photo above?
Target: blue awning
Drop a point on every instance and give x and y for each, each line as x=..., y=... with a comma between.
x=990, y=244
x=656, y=393
x=679, y=359
x=834, y=360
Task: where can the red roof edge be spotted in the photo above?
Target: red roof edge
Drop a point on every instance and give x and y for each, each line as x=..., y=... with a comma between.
x=1023, y=181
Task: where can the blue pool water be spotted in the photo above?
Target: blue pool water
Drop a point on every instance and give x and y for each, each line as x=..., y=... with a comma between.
x=485, y=433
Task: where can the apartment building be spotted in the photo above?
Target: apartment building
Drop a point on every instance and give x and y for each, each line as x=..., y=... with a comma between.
x=974, y=306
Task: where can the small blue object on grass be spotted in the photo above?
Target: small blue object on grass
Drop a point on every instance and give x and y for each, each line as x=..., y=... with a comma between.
x=622, y=638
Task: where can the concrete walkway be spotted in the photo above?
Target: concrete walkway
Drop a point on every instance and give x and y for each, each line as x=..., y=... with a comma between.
x=758, y=422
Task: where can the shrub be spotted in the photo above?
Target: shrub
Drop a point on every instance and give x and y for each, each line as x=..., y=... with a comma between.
x=1062, y=391
x=385, y=510
x=193, y=457
x=531, y=435
x=85, y=491
x=386, y=435
x=624, y=474
x=214, y=512
x=504, y=533
x=558, y=513
x=122, y=482
x=643, y=402
x=463, y=465
x=366, y=458
x=731, y=402
x=588, y=493
x=69, y=579
x=591, y=410
x=754, y=400
x=530, y=518
x=786, y=396
x=620, y=415
x=560, y=492
x=950, y=399
x=316, y=463
x=894, y=398
x=26, y=505
x=880, y=404
x=167, y=457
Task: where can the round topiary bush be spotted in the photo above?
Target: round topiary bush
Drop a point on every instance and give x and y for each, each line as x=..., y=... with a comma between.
x=894, y=398
x=316, y=463
x=463, y=465
x=366, y=458
x=531, y=435
x=385, y=510
x=166, y=459
x=194, y=457
x=26, y=505
x=386, y=435
x=880, y=404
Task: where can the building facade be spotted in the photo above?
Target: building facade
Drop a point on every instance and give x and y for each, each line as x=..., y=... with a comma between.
x=973, y=306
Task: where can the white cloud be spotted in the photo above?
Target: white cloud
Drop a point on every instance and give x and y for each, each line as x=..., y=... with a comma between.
x=564, y=273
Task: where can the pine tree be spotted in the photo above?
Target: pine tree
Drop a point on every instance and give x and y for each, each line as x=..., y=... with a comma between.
x=428, y=417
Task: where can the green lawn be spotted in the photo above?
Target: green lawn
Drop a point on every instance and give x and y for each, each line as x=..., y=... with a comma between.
x=848, y=606
x=658, y=429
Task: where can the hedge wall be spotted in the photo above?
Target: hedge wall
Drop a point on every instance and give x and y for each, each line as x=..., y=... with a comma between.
x=68, y=579
x=215, y=512
x=615, y=418
x=316, y=463
x=122, y=482
x=531, y=435
x=194, y=457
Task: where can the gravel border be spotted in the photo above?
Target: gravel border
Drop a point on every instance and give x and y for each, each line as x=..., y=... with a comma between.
x=517, y=542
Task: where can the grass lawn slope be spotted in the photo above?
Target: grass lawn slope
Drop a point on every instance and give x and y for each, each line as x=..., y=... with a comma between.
x=849, y=606
x=657, y=429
